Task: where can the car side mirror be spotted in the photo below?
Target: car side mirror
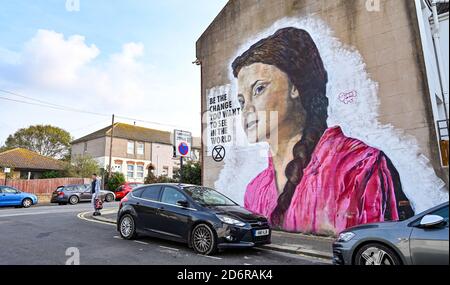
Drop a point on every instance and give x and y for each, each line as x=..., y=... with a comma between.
x=430, y=221
x=183, y=203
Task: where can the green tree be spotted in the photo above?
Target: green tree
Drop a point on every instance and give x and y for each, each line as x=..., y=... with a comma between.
x=190, y=174
x=152, y=178
x=51, y=174
x=115, y=180
x=82, y=166
x=44, y=139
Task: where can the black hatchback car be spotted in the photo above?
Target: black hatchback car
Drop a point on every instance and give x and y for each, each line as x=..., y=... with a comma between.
x=201, y=217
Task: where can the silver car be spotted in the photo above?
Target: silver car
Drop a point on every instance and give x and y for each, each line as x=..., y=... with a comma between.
x=420, y=240
x=73, y=194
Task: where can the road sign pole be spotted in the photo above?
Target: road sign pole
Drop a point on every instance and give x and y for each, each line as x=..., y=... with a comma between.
x=181, y=169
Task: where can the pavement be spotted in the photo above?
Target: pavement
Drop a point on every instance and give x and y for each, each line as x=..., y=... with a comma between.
x=54, y=235
x=308, y=245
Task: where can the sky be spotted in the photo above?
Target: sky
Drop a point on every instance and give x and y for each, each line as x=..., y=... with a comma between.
x=131, y=58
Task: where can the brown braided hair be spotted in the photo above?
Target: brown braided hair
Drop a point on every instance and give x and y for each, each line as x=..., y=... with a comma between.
x=294, y=52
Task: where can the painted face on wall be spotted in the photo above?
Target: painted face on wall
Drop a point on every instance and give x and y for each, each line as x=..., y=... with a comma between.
x=263, y=89
x=309, y=161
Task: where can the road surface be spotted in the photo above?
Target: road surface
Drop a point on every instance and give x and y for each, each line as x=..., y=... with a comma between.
x=49, y=235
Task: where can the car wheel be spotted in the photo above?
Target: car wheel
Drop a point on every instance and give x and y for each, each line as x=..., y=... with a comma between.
x=376, y=254
x=73, y=200
x=109, y=198
x=26, y=203
x=127, y=227
x=203, y=240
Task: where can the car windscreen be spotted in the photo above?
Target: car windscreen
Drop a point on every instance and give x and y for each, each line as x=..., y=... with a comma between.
x=208, y=197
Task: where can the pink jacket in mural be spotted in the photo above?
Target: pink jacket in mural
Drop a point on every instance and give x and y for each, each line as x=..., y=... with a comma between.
x=346, y=183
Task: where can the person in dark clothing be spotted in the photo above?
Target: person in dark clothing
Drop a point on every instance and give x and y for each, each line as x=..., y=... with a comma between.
x=95, y=188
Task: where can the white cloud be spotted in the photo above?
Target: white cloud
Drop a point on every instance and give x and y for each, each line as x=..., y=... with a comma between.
x=69, y=71
x=51, y=63
x=49, y=60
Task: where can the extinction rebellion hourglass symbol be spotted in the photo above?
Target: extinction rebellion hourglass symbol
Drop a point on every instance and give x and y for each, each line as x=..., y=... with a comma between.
x=218, y=153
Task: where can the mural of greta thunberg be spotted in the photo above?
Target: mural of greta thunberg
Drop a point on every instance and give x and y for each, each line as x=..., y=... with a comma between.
x=318, y=181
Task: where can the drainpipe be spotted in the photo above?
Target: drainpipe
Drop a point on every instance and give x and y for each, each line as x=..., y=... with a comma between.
x=440, y=59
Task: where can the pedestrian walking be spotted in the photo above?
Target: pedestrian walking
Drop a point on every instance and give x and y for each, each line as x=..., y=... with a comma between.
x=96, y=199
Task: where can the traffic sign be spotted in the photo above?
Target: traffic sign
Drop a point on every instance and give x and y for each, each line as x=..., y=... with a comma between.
x=183, y=148
x=182, y=143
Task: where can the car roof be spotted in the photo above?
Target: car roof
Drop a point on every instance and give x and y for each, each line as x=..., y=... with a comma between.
x=177, y=185
x=70, y=185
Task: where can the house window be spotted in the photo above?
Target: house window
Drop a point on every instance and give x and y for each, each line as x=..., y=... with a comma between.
x=85, y=147
x=140, y=148
x=130, y=147
x=140, y=171
x=118, y=165
x=130, y=171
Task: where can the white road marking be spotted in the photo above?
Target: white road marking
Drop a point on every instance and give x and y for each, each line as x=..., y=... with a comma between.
x=212, y=257
x=117, y=237
x=48, y=210
x=141, y=242
x=247, y=264
x=37, y=213
x=169, y=248
x=296, y=256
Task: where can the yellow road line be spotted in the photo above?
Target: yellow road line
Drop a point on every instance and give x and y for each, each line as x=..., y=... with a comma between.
x=82, y=217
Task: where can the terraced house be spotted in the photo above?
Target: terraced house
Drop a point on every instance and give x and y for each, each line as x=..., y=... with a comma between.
x=134, y=149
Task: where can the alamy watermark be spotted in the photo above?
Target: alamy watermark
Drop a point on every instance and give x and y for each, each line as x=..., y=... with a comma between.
x=73, y=254
x=73, y=5
x=373, y=5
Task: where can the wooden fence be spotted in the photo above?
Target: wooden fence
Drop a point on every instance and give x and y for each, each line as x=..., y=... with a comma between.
x=43, y=186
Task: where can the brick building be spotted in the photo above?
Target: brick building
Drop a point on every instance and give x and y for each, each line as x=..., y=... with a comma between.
x=134, y=148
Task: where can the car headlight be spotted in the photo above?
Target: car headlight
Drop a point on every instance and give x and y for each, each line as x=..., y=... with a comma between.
x=345, y=237
x=230, y=221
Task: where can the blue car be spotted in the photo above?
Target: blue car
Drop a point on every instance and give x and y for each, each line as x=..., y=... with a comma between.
x=10, y=196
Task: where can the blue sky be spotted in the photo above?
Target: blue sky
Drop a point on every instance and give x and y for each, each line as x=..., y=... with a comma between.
x=133, y=58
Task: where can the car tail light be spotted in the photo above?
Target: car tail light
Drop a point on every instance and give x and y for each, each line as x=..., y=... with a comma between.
x=61, y=194
x=124, y=199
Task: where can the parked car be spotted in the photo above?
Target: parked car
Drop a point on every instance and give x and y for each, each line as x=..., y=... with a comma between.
x=422, y=239
x=10, y=196
x=73, y=194
x=201, y=217
x=125, y=188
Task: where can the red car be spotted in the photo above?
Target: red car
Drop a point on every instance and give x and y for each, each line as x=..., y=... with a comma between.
x=125, y=188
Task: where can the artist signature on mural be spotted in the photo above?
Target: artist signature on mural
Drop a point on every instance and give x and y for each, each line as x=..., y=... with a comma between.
x=348, y=97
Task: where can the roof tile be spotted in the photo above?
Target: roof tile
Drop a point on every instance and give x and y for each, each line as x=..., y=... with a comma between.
x=26, y=159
